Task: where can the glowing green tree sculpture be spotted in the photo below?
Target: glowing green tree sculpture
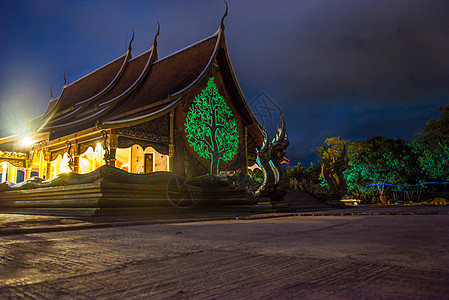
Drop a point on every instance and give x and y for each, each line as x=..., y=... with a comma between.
x=211, y=128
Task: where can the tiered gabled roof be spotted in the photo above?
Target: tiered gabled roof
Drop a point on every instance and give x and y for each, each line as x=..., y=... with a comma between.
x=129, y=91
x=87, y=88
x=166, y=79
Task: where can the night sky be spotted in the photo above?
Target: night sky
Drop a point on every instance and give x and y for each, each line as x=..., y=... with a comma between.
x=353, y=69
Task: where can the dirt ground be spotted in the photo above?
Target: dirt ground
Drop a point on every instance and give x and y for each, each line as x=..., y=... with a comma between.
x=300, y=257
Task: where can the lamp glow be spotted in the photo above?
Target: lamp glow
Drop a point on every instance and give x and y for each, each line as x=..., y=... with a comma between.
x=26, y=142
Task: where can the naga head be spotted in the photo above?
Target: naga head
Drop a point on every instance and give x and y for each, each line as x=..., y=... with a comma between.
x=280, y=141
x=266, y=145
x=281, y=132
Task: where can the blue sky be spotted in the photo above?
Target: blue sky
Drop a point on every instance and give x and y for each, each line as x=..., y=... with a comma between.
x=353, y=69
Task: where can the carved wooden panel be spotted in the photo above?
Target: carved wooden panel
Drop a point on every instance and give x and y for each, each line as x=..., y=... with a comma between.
x=156, y=130
x=126, y=142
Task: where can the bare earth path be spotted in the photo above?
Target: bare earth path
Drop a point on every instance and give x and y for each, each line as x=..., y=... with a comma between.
x=325, y=257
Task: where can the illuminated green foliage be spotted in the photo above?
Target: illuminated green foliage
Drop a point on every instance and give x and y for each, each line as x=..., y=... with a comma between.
x=432, y=146
x=381, y=160
x=211, y=127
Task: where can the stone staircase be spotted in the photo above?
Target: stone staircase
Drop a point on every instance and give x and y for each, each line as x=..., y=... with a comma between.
x=303, y=201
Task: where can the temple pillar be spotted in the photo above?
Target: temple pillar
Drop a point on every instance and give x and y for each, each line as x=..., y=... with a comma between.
x=113, y=145
x=48, y=161
x=112, y=155
x=4, y=171
x=171, y=146
x=171, y=157
x=132, y=159
x=27, y=174
x=41, y=164
x=12, y=173
x=76, y=159
x=76, y=163
x=28, y=167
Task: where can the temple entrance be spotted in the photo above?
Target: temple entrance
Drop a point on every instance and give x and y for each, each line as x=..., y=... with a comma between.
x=137, y=160
x=149, y=161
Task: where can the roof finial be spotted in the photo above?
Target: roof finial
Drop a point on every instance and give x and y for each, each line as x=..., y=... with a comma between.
x=65, y=80
x=157, y=34
x=130, y=42
x=224, y=16
x=51, y=91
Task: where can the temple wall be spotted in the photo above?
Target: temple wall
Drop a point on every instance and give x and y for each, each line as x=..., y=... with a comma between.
x=190, y=158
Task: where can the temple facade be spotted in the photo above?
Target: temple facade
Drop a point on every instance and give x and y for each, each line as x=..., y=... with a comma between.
x=184, y=113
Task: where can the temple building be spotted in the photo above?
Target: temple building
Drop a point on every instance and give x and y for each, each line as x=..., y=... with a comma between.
x=184, y=113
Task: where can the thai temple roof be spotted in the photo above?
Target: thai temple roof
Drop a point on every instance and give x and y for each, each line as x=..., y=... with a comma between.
x=132, y=88
x=127, y=87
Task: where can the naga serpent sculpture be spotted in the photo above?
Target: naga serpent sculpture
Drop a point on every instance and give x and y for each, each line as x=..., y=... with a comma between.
x=262, y=160
x=269, y=159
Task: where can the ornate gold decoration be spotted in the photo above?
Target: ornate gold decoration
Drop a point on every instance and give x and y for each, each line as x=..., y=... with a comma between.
x=14, y=162
x=16, y=159
x=29, y=160
x=171, y=150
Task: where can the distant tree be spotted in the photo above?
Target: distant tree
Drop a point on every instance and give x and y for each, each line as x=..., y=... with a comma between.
x=381, y=160
x=312, y=173
x=432, y=147
x=211, y=127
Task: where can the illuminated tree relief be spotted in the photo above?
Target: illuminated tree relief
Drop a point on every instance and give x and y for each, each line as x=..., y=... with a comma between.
x=211, y=128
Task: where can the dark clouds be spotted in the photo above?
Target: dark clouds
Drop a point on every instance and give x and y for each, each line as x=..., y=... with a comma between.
x=371, y=49
x=348, y=68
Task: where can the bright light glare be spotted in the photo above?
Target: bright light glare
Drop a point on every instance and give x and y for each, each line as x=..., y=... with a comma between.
x=26, y=142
